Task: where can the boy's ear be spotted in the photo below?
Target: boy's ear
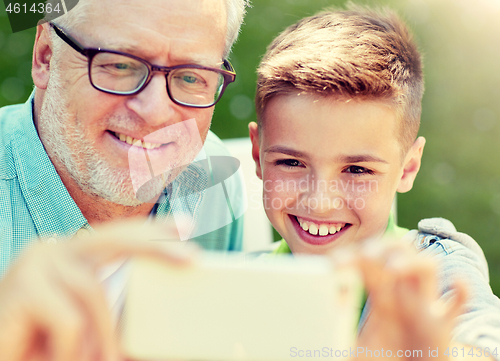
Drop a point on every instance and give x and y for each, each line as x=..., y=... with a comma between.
x=253, y=130
x=42, y=53
x=411, y=165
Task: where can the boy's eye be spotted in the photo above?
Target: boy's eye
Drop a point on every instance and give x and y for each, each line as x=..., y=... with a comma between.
x=289, y=162
x=354, y=169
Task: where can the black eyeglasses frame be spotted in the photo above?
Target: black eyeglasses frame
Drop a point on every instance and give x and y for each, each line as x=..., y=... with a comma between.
x=229, y=75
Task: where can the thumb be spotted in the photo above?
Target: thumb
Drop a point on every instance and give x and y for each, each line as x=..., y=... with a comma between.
x=456, y=304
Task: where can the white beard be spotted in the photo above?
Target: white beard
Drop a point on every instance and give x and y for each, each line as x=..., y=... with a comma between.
x=67, y=142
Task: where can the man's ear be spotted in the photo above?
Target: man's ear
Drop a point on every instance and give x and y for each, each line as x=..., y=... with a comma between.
x=42, y=53
x=253, y=130
x=411, y=165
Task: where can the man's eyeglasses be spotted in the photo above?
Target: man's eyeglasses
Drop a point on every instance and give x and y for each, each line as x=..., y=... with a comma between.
x=119, y=73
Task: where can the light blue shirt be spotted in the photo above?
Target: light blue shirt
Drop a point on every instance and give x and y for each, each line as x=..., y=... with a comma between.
x=459, y=257
x=34, y=203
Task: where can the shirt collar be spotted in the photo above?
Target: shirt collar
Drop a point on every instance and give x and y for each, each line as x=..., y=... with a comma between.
x=193, y=181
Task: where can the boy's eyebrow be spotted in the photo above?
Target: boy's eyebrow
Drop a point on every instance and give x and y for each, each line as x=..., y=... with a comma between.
x=360, y=159
x=284, y=150
x=340, y=159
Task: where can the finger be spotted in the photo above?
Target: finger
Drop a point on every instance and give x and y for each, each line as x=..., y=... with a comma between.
x=164, y=229
x=455, y=305
x=383, y=248
x=116, y=241
x=59, y=320
x=38, y=319
x=379, y=285
x=89, y=297
x=417, y=275
x=394, y=275
x=51, y=296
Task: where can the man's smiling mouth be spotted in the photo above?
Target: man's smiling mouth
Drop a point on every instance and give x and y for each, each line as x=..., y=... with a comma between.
x=135, y=142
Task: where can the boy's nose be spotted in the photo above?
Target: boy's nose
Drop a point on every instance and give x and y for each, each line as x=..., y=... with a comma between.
x=323, y=202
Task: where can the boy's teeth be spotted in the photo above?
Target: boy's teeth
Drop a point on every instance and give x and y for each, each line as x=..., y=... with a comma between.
x=313, y=229
x=321, y=229
x=132, y=141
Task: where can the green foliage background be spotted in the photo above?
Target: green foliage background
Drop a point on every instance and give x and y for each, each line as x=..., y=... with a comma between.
x=460, y=40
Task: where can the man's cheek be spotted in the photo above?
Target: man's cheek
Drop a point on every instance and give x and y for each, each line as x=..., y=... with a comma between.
x=203, y=121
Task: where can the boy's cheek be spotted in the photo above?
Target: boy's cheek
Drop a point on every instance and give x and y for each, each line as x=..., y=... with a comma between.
x=279, y=201
x=371, y=191
x=280, y=183
x=283, y=191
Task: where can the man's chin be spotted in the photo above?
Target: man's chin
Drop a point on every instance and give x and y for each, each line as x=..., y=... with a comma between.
x=116, y=187
x=130, y=198
x=150, y=193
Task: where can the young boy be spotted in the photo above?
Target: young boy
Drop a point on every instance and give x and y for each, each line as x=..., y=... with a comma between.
x=338, y=103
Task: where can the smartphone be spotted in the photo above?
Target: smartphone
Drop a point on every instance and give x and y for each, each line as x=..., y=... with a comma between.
x=235, y=307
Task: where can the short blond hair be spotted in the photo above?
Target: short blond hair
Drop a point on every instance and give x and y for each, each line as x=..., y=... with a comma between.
x=359, y=53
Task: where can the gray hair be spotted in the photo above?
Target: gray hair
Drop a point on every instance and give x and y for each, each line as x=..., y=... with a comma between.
x=236, y=10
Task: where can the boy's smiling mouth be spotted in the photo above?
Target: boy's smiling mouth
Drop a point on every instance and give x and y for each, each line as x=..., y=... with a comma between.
x=323, y=229
x=318, y=233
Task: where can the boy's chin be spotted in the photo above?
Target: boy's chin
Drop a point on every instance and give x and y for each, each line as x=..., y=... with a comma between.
x=310, y=250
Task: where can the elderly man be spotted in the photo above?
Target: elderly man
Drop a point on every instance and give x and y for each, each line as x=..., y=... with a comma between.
x=116, y=83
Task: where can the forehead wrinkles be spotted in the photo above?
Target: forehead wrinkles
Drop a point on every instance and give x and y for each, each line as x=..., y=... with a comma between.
x=184, y=22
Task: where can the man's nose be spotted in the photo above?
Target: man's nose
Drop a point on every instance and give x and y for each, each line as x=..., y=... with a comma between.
x=153, y=103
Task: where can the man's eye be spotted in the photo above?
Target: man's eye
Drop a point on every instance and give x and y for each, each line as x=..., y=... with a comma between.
x=289, y=162
x=121, y=66
x=354, y=169
x=189, y=79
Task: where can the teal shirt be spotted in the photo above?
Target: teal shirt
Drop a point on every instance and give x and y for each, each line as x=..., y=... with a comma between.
x=34, y=203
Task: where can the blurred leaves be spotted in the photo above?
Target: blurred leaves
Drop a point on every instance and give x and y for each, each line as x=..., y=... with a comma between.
x=15, y=62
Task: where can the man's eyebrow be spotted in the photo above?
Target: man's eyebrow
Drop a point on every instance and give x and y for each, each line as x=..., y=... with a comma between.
x=135, y=49
x=361, y=158
x=284, y=150
x=121, y=47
